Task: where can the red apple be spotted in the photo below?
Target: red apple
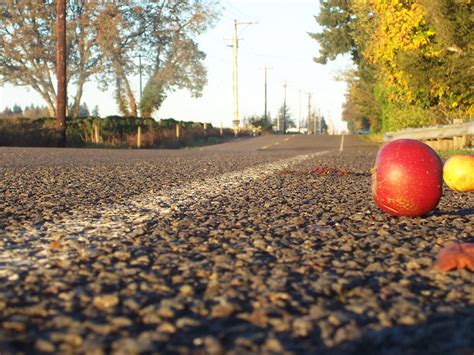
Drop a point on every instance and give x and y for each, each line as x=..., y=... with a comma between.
x=407, y=178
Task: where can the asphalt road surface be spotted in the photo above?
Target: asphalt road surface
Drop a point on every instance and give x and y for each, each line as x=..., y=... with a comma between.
x=234, y=248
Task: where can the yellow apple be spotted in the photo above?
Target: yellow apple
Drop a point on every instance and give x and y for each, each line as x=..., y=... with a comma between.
x=458, y=173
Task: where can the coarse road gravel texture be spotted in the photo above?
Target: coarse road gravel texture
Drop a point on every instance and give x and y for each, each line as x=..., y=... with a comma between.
x=234, y=248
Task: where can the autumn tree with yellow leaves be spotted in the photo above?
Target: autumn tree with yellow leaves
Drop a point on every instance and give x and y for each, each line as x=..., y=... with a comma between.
x=414, y=59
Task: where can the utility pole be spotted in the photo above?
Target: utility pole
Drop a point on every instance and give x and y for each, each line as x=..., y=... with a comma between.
x=61, y=96
x=284, y=109
x=235, y=78
x=140, y=71
x=265, y=112
x=235, y=46
x=309, y=113
x=266, y=79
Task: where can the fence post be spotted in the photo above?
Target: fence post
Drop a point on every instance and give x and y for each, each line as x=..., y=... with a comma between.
x=93, y=133
x=222, y=130
x=96, y=133
x=315, y=123
x=178, y=131
x=139, y=137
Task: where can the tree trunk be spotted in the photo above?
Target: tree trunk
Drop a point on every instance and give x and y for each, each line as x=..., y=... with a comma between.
x=121, y=101
x=50, y=102
x=123, y=81
x=51, y=110
x=131, y=98
x=77, y=98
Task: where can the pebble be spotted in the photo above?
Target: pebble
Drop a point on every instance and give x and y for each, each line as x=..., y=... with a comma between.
x=302, y=327
x=186, y=290
x=167, y=327
x=272, y=345
x=105, y=301
x=44, y=346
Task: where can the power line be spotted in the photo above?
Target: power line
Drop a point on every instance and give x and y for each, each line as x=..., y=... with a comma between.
x=235, y=11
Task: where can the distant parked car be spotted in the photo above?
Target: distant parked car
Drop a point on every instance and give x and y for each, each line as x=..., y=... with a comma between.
x=363, y=131
x=293, y=130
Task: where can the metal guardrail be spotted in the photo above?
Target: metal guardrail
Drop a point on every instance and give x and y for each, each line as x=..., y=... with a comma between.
x=433, y=132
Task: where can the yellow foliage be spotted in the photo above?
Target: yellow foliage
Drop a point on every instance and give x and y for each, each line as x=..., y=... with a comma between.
x=401, y=27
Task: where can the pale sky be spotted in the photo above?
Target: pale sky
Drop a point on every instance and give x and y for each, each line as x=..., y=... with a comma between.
x=279, y=40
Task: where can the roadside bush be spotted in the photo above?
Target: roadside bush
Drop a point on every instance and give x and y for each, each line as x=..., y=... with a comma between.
x=27, y=132
x=111, y=131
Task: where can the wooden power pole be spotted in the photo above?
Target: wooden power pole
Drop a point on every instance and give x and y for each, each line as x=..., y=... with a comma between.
x=266, y=80
x=61, y=95
x=265, y=110
x=235, y=76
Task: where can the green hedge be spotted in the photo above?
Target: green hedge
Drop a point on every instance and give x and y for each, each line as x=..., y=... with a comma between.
x=111, y=131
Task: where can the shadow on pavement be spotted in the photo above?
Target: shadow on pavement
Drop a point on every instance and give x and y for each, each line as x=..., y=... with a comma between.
x=461, y=213
x=442, y=333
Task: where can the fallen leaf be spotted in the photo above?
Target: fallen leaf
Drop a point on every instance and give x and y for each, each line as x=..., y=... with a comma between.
x=324, y=170
x=55, y=245
x=456, y=256
x=343, y=171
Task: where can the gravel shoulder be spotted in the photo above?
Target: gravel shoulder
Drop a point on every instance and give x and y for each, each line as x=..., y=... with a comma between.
x=224, y=252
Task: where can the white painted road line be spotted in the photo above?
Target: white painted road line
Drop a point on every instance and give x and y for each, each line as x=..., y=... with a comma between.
x=113, y=221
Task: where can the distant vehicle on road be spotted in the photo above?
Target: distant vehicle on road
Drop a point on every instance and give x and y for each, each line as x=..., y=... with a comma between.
x=293, y=130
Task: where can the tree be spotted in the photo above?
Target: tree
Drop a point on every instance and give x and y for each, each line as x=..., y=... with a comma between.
x=7, y=111
x=336, y=17
x=103, y=39
x=451, y=73
x=17, y=109
x=323, y=127
x=413, y=58
x=95, y=111
x=27, y=41
x=423, y=80
x=84, y=59
x=25, y=35
x=179, y=63
x=346, y=29
x=83, y=111
x=164, y=34
x=284, y=118
x=260, y=122
x=361, y=107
